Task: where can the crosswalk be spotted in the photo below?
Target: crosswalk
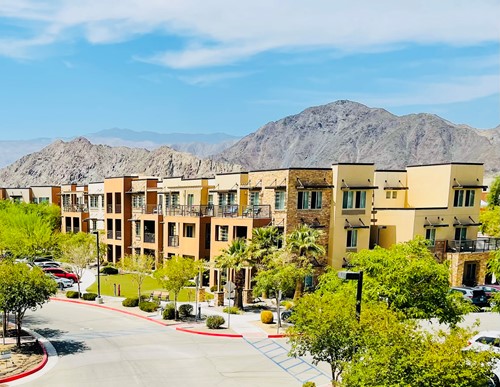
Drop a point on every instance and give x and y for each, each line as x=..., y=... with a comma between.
x=296, y=367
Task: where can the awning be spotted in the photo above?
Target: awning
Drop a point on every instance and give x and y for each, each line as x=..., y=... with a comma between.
x=434, y=224
x=468, y=223
x=351, y=226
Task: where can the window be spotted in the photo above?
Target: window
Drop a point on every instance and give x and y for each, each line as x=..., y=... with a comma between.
x=460, y=233
x=43, y=200
x=231, y=198
x=138, y=229
x=352, y=238
x=430, y=235
x=222, y=199
x=137, y=201
x=174, y=198
x=309, y=200
x=254, y=198
x=190, y=199
x=391, y=194
x=94, y=201
x=189, y=231
x=464, y=198
x=354, y=199
x=210, y=199
x=387, y=194
x=279, y=200
x=394, y=194
x=222, y=233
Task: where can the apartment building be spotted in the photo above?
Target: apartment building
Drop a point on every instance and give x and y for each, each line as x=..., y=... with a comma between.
x=96, y=206
x=35, y=194
x=74, y=208
x=441, y=203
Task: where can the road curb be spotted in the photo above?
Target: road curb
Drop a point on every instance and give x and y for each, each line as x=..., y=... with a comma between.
x=37, y=368
x=232, y=335
x=112, y=309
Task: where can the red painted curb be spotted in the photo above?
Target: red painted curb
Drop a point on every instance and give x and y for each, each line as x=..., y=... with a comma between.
x=232, y=335
x=31, y=371
x=280, y=336
x=113, y=309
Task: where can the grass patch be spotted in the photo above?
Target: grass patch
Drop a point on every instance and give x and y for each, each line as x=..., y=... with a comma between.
x=128, y=288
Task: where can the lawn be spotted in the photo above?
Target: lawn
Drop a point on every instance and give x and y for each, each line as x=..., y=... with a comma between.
x=128, y=288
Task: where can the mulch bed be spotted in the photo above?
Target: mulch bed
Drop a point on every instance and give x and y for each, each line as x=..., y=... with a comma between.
x=22, y=359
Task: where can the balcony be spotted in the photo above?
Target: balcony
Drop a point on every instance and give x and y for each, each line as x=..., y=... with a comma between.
x=75, y=208
x=474, y=245
x=250, y=211
x=173, y=241
x=149, y=237
x=186, y=210
x=147, y=209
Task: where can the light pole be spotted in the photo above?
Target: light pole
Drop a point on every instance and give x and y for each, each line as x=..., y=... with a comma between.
x=98, y=299
x=358, y=276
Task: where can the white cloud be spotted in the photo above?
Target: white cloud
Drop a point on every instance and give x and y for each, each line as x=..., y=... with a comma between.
x=225, y=31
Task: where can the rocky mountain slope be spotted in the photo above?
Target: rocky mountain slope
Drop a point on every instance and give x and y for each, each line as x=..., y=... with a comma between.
x=345, y=131
x=82, y=162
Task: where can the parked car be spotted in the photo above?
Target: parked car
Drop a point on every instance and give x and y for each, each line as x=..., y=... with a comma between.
x=475, y=295
x=58, y=272
x=286, y=314
x=61, y=282
x=48, y=264
x=485, y=341
x=37, y=260
x=490, y=290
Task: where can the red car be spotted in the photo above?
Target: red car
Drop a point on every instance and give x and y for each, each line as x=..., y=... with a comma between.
x=58, y=272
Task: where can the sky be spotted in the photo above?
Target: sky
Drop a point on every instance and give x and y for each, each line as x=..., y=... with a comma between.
x=70, y=67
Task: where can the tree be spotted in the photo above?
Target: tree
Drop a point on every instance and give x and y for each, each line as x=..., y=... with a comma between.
x=303, y=244
x=139, y=266
x=175, y=273
x=410, y=279
x=493, y=197
x=326, y=328
x=280, y=276
x=265, y=240
x=79, y=250
x=23, y=288
x=490, y=219
x=235, y=257
x=396, y=353
x=494, y=263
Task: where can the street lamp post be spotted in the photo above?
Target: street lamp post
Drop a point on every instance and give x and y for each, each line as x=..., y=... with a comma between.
x=358, y=276
x=98, y=299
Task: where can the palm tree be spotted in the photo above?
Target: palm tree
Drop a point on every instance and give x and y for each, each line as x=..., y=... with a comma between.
x=303, y=244
x=265, y=241
x=236, y=258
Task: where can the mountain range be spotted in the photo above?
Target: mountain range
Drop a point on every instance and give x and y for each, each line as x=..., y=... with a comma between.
x=342, y=131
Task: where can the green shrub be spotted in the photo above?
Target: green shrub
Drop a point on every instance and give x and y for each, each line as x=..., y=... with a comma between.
x=110, y=270
x=309, y=384
x=185, y=310
x=267, y=317
x=71, y=294
x=287, y=304
x=89, y=296
x=214, y=322
x=231, y=310
x=130, y=302
x=148, y=306
x=213, y=288
x=190, y=284
x=169, y=312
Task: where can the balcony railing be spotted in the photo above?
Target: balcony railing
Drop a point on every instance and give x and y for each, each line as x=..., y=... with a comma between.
x=474, y=245
x=147, y=209
x=186, y=210
x=75, y=208
x=244, y=211
x=149, y=237
x=173, y=240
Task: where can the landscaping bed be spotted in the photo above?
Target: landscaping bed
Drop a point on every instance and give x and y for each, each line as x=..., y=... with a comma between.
x=22, y=359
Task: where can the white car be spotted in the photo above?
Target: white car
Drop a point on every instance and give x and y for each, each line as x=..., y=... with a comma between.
x=61, y=282
x=485, y=341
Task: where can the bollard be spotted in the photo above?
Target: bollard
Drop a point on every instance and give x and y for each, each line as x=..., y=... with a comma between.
x=199, y=312
x=118, y=290
x=114, y=290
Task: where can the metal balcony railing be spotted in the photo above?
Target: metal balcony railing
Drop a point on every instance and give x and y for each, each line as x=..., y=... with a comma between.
x=186, y=210
x=149, y=237
x=173, y=240
x=75, y=208
x=147, y=209
x=243, y=211
x=474, y=245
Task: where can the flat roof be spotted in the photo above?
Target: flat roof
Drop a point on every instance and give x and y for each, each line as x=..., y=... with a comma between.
x=450, y=163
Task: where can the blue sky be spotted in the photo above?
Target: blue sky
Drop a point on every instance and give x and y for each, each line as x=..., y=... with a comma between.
x=74, y=67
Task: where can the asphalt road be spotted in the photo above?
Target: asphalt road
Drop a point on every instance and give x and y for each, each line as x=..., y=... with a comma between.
x=97, y=347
